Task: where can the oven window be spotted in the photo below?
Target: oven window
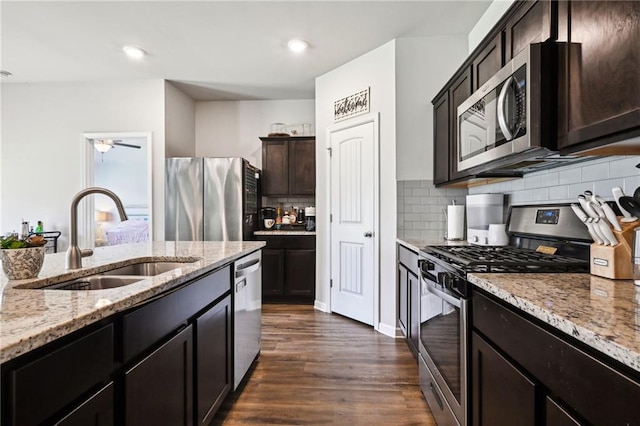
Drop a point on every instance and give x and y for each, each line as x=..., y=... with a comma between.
x=440, y=336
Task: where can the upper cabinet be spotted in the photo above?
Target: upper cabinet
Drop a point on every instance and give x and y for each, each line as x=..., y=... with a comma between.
x=289, y=165
x=598, y=83
x=599, y=75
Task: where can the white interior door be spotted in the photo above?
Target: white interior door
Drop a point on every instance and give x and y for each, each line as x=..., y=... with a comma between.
x=353, y=201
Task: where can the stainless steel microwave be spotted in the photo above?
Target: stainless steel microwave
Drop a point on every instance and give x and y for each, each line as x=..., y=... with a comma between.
x=510, y=122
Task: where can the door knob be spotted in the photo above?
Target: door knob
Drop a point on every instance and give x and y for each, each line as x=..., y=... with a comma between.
x=368, y=234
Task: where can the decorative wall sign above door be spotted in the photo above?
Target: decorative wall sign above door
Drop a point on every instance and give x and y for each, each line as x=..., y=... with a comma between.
x=352, y=105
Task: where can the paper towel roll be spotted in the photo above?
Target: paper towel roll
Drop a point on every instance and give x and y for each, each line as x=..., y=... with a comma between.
x=455, y=222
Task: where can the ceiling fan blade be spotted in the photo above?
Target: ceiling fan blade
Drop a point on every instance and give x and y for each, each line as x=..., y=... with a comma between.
x=120, y=143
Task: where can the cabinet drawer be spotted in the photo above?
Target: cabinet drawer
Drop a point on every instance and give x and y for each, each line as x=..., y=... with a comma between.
x=294, y=242
x=150, y=323
x=43, y=387
x=408, y=258
x=599, y=393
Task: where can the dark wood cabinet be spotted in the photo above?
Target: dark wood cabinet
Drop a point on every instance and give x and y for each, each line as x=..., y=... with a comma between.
x=214, y=352
x=441, y=129
x=56, y=376
x=95, y=411
x=288, y=268
x=409, y=297
x=488, y=62
x=159, y=389
x=501, y=394
x=572, y=383
x=599, y=80
x=289, y=165
x=532, y=22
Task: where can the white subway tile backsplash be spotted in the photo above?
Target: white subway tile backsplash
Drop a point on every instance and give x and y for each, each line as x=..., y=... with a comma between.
x=593, y=172
x=420, y=216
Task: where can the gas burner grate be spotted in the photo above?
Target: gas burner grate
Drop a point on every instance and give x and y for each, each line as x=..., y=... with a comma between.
x=505, y=259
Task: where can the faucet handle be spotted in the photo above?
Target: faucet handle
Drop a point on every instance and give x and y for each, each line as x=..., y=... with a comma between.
x=86, y=252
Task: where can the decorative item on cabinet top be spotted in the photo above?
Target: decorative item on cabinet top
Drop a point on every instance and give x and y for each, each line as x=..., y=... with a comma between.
x=286, y=130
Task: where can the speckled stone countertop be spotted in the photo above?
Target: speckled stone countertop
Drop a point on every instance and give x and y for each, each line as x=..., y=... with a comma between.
x=284, y=232
x=416, y=244
x=31, y=317
x=602, y=313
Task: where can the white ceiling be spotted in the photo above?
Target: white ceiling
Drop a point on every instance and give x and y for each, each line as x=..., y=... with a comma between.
x=213, y=50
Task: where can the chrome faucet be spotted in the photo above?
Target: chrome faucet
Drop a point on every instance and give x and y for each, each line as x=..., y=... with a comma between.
x=74, y=254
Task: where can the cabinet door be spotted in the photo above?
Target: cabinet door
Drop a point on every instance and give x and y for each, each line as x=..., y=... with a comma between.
x=459, y=92
x=441, y=129
x=403, y=300
x=599, y=77
x=300, y=273
x=501, y=395
x=159, y=389
x=95, y=411
x=414, y=309
x=213, y=345
x=302, y=167
x=530, y=24
x=557, y=416
x=272, y=272
x=275, y=167
x=488, y=62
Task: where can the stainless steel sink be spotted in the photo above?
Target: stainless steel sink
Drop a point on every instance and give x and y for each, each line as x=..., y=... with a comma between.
x=147, y=269
x=94, y=282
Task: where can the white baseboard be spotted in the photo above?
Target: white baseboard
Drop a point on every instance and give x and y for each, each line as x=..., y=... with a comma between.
x=321, y=306
x=389, y=330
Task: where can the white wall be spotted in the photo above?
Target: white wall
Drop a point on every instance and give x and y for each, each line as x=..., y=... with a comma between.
x=43, y=148
x=232, y=128
x=375, y=69
x=423, y=66
x=180, y=123
x=490, y=17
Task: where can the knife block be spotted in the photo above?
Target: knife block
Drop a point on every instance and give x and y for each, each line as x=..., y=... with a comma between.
x=614, y=262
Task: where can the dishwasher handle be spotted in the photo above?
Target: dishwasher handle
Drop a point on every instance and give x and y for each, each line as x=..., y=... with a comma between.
x=247, y=268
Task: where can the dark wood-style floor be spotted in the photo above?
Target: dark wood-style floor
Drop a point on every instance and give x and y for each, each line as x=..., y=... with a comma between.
x=317, y=368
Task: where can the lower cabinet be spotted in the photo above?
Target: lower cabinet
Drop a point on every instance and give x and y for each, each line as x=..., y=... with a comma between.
x=289, y=269
x=159, y=389
x=502, y=395
x=214, y=351
x=524, y=372
x=95, y=411
x=409, y=297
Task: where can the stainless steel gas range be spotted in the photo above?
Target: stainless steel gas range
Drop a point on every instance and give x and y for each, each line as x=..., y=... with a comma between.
x=445, y=292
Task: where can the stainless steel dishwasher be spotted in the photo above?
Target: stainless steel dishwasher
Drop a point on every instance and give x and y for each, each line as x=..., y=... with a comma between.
x=247, y=313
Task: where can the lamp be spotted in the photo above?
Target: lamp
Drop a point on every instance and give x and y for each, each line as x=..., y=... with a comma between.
x=102, y=145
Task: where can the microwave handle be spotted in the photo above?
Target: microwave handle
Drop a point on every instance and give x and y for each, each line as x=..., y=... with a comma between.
x=502, y=118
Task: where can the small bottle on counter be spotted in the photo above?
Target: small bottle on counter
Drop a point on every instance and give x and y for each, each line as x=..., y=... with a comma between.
x=39, y=227
x=278, y=215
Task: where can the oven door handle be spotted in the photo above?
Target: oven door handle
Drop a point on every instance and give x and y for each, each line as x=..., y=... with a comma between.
x=441, y=294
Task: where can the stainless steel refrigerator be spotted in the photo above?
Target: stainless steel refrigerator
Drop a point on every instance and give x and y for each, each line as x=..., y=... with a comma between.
x=210, y=199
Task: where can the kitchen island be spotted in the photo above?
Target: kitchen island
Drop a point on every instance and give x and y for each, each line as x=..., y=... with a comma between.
x=157, y=350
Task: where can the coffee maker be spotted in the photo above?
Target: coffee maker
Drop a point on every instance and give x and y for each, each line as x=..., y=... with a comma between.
x=267, y=213
x=483, y=210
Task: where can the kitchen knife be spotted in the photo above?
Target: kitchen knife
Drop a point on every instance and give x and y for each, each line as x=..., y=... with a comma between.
x=605, y=211
x=602, y=222
x=593, y=216
x=587, y=221
x=617, y=193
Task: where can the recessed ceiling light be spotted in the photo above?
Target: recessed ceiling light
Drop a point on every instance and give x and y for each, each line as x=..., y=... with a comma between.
x=297, y=45
x=134, y=52
x=5, y=74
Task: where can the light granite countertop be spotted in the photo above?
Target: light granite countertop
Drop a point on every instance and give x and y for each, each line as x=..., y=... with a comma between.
x=602, y=313
x=31, y=317
x=284, y=232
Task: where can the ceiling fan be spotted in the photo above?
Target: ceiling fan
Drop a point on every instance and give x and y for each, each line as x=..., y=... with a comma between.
x=104, y=145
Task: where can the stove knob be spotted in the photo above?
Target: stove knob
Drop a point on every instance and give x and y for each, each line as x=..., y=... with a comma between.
x=474, y=238
x=444, y=279
x=425, y=265
x=486, y=240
